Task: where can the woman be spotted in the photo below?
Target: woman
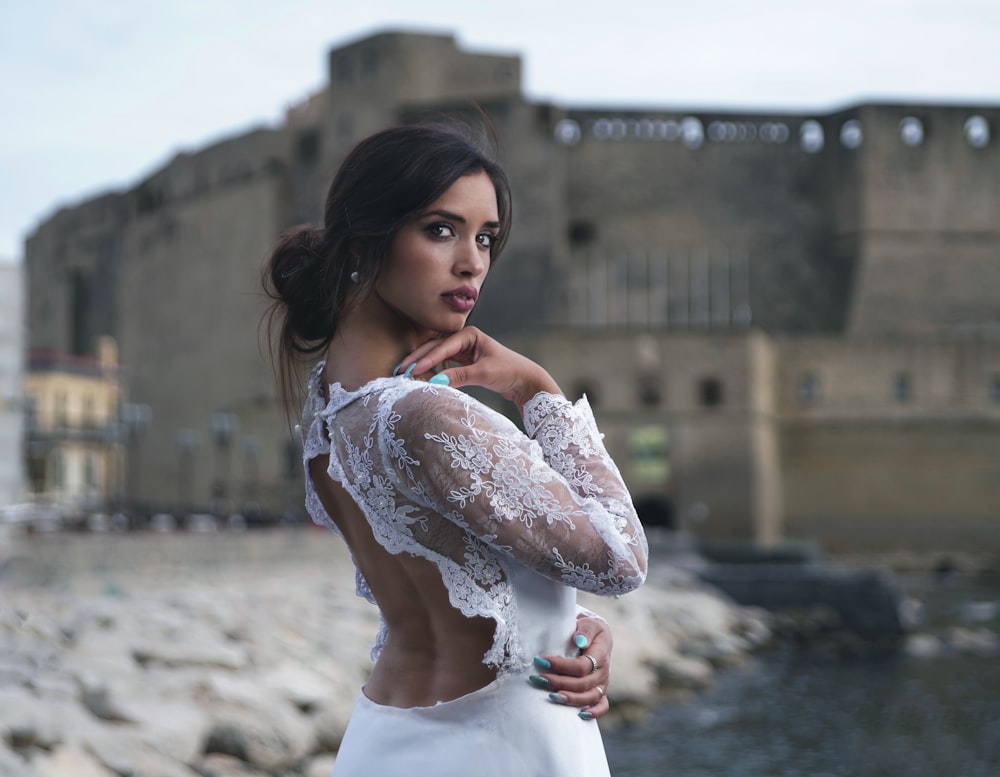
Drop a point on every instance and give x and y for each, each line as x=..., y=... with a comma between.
x=470, y=535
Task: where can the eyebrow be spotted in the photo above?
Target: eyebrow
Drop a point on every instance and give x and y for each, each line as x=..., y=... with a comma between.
x=455, y=217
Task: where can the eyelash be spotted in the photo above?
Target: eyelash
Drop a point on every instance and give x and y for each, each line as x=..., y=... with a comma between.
x=434, y=231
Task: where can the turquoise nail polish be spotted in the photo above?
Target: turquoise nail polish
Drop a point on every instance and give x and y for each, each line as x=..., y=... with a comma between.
x=558, y=698
x=541, y=663
x=537, y=681
x=440, y=380
x=409, y=370
x=581, y=641
x=586, y=715
x=395, y=370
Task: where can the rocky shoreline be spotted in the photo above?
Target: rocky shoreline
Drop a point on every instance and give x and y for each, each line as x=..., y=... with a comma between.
x=241, y=654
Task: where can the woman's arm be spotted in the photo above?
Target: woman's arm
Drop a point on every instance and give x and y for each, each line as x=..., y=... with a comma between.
x=556, y=503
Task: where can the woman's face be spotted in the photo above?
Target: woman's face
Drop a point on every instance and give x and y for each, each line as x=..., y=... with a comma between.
x=438, y=261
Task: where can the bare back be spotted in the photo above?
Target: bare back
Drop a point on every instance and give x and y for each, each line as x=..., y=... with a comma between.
x=433, y=652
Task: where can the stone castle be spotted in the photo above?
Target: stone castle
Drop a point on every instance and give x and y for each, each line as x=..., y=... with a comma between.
x=788, y=324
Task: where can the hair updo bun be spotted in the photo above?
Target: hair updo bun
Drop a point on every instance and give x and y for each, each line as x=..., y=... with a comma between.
x=296, y=271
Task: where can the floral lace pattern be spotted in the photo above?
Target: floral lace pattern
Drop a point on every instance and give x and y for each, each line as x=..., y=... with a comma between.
x=440, y=475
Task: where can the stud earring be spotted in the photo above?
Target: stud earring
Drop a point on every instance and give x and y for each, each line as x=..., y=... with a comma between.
x=355, y=276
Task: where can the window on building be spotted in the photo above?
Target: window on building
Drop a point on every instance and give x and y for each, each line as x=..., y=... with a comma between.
x=710, y=392
x=649, y=392
x=568, y=132
x=811, y=136
x=307, y=148
x=345, y=126
x=995, y=388
x=902, y=387
x=345, y=70
x=58, y=470
x=590, y=390
x=90, y=471
x=580, y=233
x=80, y=312
x=911, y=131
x=369, y=62
x=809, y=388
x=977, y=131
x=292, y=459
x=31, y=413
x=851, y=134
x=61, y=411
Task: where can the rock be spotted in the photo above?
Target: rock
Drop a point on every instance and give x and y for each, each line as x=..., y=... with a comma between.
x=190, y=652
x=684, y=673
x=73, y=760
x=978, y=642
x=30, y=722
x=274, y=737
x=127, y=752
x=320, y=766
x=178, y=728
x=330, y=719
x=299, y=685
x=923, y=646
x=12, y=765
x=240, y=672
x=219, y=765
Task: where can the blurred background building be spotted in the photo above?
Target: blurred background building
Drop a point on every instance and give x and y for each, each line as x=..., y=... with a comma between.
x=788, y=324
x=73, y=430
x=12, y=342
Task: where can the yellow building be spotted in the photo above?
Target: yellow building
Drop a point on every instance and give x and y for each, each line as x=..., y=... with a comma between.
x=74, y=439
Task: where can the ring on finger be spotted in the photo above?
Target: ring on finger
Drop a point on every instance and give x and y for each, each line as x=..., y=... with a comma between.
x=600, y=690
x=592, y=661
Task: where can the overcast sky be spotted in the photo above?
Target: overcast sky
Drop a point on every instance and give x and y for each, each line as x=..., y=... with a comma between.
x=96, y=94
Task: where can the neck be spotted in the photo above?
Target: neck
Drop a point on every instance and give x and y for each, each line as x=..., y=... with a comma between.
x=369, y=344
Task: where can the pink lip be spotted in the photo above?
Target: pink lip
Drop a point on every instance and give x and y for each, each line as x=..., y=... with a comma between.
x=462, y=299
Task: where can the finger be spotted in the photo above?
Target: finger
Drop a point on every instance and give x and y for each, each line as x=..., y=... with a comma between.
x=591, y=632
x=602, y=707
x=592, y=704
x=462, y=348
x=558, y=675
x=578, y=667
x=418, y=354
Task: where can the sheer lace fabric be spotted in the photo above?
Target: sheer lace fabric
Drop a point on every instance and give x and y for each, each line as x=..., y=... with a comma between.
x=439, y=475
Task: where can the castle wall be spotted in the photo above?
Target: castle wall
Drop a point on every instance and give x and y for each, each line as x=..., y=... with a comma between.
x=930, y=252
x=687, y=418
x=891, y=443
x=652, y=249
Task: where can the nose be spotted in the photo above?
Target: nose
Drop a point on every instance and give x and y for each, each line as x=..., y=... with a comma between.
x=472, y=260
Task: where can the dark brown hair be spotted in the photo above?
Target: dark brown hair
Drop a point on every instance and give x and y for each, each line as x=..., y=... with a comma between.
x=385, y=181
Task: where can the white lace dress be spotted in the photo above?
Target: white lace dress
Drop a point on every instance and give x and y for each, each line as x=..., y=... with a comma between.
x=515, y=522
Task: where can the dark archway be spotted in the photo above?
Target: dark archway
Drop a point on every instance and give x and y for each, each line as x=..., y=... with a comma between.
x=656, y=510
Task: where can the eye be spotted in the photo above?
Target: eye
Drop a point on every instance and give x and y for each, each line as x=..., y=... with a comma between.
x=440, y=230
x=486, y=239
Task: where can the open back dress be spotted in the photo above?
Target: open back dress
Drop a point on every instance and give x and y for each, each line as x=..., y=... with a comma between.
x=515, y=522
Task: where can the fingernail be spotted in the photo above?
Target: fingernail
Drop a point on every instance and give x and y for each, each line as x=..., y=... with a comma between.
x=541, y=663
x=440, y=380
x=409, y=370
x=581, y=641
x=537, y=681
x=395, y=370
x=558, y=698
x=586, y=715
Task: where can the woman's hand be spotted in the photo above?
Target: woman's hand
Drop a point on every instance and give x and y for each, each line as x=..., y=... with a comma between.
x=574, y=681
x=473, y=358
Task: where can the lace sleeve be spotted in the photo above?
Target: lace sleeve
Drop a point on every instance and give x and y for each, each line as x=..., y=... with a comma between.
x=555, y=503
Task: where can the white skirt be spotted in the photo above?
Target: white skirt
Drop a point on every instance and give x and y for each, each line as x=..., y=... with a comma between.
x=507, y=729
